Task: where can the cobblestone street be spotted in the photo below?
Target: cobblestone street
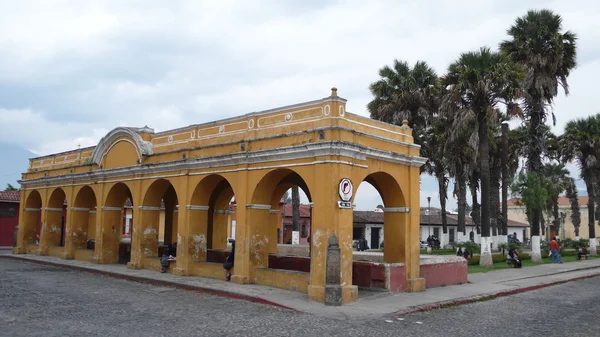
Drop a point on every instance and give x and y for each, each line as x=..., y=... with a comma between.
x=37, y=300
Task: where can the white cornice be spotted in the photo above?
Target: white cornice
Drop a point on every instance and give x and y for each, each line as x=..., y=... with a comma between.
x=149, y=208
x=197, y=208
x=396, y=209
x=259, y=206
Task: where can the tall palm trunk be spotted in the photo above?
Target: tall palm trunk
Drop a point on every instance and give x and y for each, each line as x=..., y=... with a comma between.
x=495, y=196
x=461, y=183
x=443, y=193
x=575, y=212
x=589, y=184
x=505, y=179
x=476, y=212
x=295, y=208
x=485, y=259
x=534, y=166
x=556, y=216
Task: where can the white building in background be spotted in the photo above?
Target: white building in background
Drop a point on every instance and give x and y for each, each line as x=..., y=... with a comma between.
x=370, y=224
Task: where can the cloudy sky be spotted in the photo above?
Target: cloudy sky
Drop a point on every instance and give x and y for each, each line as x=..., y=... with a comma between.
x=70, y=71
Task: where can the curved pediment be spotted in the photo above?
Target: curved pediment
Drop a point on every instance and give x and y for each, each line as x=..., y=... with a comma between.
x=122, y=146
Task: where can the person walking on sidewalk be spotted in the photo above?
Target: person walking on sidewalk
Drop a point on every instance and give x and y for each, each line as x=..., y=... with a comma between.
x=554, y=251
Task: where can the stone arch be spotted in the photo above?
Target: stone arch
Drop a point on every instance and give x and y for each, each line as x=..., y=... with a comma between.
x=123, y=134
x=268, y=184
x=32, y=218
x=56, y=216
x=83, y=218
x=158, y=220
x=395, y=216
x=118, y=195
x=118, y=213
x=388, y=187
x=211, y=218
x=264, y=218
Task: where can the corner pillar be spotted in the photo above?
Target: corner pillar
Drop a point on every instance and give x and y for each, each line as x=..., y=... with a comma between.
x=329, y=218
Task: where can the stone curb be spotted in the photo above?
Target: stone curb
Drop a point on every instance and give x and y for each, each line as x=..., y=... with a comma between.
x=146, y=280
x=487, y=297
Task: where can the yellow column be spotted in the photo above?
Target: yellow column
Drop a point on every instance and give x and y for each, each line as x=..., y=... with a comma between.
x=257, y=216
x=412, y=247
x=51, y=229
x=76, y=230
x=144, y=241
x=197, y=231
x=329, y=218
x=241, y=269
x=108, y=236
x=28, y=222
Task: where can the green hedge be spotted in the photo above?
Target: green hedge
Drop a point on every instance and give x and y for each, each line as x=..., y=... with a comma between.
x=474, y=261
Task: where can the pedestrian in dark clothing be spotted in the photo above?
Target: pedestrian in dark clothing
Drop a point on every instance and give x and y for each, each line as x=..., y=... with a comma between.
x=164, y=261
x=228, y=265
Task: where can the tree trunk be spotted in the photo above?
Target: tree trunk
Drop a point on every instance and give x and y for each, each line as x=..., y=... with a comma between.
x=295, y=208
x=536, y=143
x=495, y=176
x=556, y=217
x=443, y=191
x=476, y=212
x=505, y=179
x=461, y=181
x=485, y=259
x=589, y=184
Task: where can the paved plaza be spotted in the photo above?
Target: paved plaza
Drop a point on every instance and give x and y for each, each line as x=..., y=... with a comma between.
x=45, y=300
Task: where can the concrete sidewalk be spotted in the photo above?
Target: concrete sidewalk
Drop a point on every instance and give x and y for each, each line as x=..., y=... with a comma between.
x=371, y=304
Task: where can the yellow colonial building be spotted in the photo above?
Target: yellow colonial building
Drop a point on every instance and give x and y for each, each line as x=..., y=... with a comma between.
x=193, y=173
x=516, y=212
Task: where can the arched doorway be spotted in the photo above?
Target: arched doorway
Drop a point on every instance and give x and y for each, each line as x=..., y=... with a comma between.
x=32, y=220
x=117, y=217
x=56, y=213
x=267, y=222
x=211, y=225
x=158, y=226
x=395, y=217
x=367, y=219
x=83, y=224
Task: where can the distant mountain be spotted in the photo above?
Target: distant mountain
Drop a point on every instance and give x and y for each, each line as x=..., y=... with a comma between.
x=14, y=160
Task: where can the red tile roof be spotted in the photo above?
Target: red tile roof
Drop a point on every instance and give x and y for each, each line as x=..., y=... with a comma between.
x=372, y=217
x=562, y=201
x=9, y=196
x=304, y=210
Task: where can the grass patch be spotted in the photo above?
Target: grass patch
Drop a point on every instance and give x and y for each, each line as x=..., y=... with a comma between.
x=526, y=263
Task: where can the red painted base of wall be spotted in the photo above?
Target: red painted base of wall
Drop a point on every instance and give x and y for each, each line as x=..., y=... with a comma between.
x=387, y=276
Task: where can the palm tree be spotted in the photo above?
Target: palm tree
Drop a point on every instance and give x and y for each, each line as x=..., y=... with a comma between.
x=477, y=83
x=461, y=152
x=547, y=56
x=581, y=141
x=404, y=93
x=436, y=136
